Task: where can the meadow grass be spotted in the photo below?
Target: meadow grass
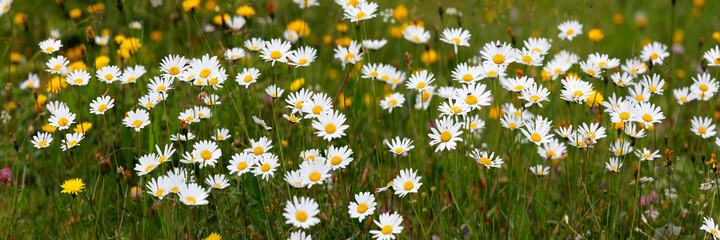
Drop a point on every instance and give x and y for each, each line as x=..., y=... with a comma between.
x=460, y=198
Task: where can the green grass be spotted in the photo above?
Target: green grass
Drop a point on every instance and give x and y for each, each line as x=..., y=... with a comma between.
x=458, y=199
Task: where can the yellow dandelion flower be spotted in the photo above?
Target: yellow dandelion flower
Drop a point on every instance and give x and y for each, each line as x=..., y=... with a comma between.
x=596, y=35
x=83, y=127
x=56, y=84
x=429, y=57
x=400, y=12
x=73, y=186
x=213, y=236
x=300, y=27
x=245, y=11
x=48, y=128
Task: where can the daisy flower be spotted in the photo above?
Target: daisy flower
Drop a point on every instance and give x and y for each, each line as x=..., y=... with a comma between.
x=102, y=40
x=499, y=53
x=371, y=70
x=260, y=122
x=291, y=36
x=50, y=46
x=631, y=130
x=465, y=73
x=594, y=131
x=292, y=118
x=57, y=64
x=296, y=100
x=131, y=74
x=300, y=235
x=540, y=170
x=399, y=146
x=416, y=34
x=454, y=107
x=363, y=206
x=42, y=140
x=512, y=121
x=164, y=153
x=364, y=10
x=591, y=69
x=646, y=112
x=62, y=119
x=703, y=127
x=350, y=54
x=108, y=74
x=234, y=53
x=529, y=57
x=275, y=50
x=302, y=57
x=208, y=151
x=389, y=224
x=254, y=44
x=241, y=163
x=193, y=194
x=634, y=67
x=236, y=22
x=317, y=105
x=314, y=172
x=181, y=137
x=189, y=116
x=712, y=56
x=221, y=134
x=704, y=87
x=557, y=67
x=148, y=101
x=456, y=37
x=33, y=82
x=638, y=93
x=305, y=4
x=654, y=52
x=570, y=29
x=247, y=76
x=647, y=155
x=422, y=100
x=374, y=44
x=575, y=90
x=217, y=181
x=603, y=61
x=517, y=84
x=538, y=45
x=554, y=149
x=474, y=95
x=420, y=80
x=487, y=160
x=534, y=95
x=295, y=179
x=710, y=227
x=564, y=132
x=613, y=164
x=446, y=134
x=137, y=119
x=172, y=65
x=311, y=155
x=146, y=164
x=622, y=79
x=682, y=95
x=329, y=125
x=160, y=84
x=538, y=131
x=393, y=101
x=265, y=166
x=653, y=83
x=159, y=187
x=621, y=147
x=301, y=212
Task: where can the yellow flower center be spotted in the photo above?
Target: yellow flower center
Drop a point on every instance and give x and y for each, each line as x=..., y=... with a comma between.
x=137, y=123
x=258, y=150
x=535, y=98
x=108, y=77
x=265, y=167
x=456, y=40
x=624, y=115
x=387, y=229
x=527, y=59
x=392, y=102
x=315, y=176
x=717, y=60
x=42, y=144
x=175, y=189
x=49, y=49
x=174, y=71
x=512, y=125
x=558, y=70
x=205, y=73
x=162, y=159
x=647, y=117
x=569, y=31
x=275, y=55
x=330, y=128
x=398, y=150
x=578, y=93
x=149, y=104
x=353, y=3
x=499, y=59
x=361, y=208
x=205, y=154
x=683, y=99
x=485, y=161
x=473, y=125
x=408, y=185
x=702, y=130
x=445, y=136
x=416, y=38
x=536, y=137
x=302, y=61
x=213, y=81
x=292, y=118
x=301, y=216
x=191, y=199
x=360, y=15
x=242, y=166
x=619, y=151
x=551, y=153
x=131, y=79
x=613, y=167
x=63, y=121
x=591, y=72
x=335, y=160
x=148, y=168
x=704, y=87
x=73, y=143
x=654, y=56
x=317, y=109
x=456, y=109
x=467, y=77
x=159, y=192
x=349, y=56
x=639, y=97
x=472, y=100
x=421, y=85
x=492, y=73
x=652, y=88
x=425, y=96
